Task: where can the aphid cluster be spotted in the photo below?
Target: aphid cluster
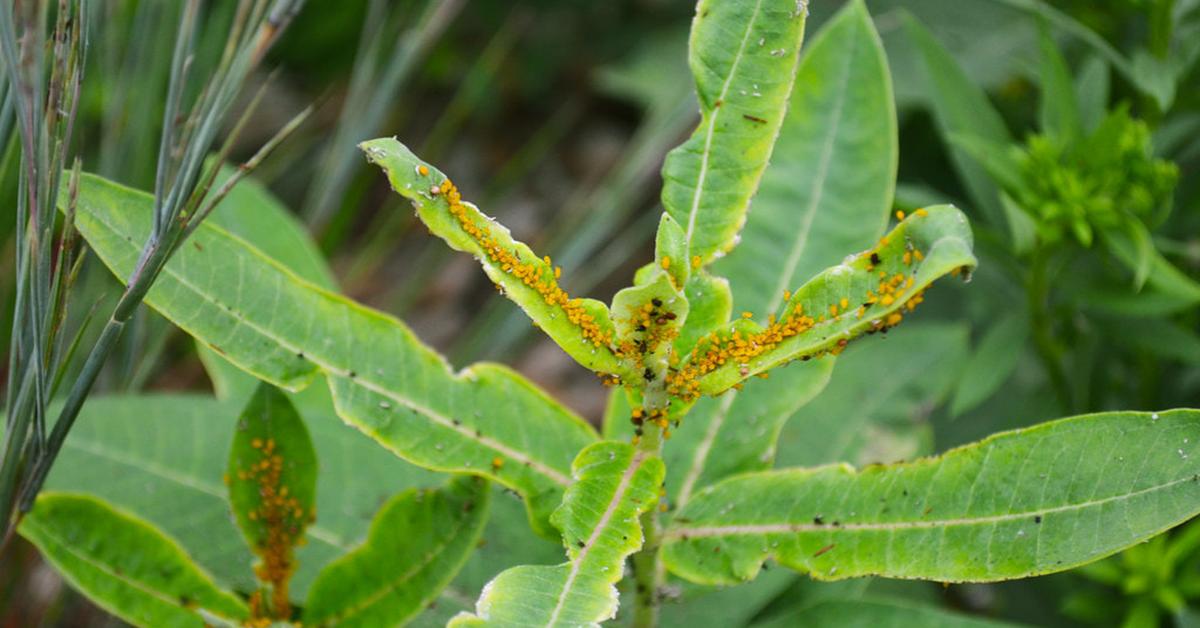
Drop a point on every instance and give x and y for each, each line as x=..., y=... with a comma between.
x=741, y=347
x=658, y=418
x=653, y=328
x=541, y=278
x=283, y=518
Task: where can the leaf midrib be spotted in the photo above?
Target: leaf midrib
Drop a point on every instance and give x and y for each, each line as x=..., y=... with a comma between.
x=810, y=212
x=712, y=123
x=781, y=528
x=359, y=379
x=120, y=577
x=635, y=463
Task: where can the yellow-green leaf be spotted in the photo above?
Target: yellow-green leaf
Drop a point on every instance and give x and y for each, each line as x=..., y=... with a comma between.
x=418, y=542
x=124, y=564
x=580, y=326
x=1017, y=504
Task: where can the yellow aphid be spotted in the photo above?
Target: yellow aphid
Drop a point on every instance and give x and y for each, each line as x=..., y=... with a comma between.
x=845, y=303
x=918, y=254
x=696, y=261
x=546, y=258
x=666, y=262
x=558, y=272
x=422, y=170
x=921, y=212
x=747, y=314
x=908, y=258
x=833, y=310
x=787, y=296
x=899, y=214
x=497, y=463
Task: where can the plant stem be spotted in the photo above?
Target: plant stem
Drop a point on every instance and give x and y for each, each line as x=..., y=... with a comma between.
x=645, y=562
x=14, y=443
x=139, y=284
x=1050, y=353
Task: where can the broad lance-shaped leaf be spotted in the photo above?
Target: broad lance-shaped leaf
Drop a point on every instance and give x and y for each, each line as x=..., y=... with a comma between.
x=252, y=213
x=1017, y=504
x=743, y=54
x=272, y=480
x=418, y=542
x=867, y=292
x=829, y=187
x=486, y=420
x=615, y=483
x=125, y=565
x=876, y=612
x=580, y=326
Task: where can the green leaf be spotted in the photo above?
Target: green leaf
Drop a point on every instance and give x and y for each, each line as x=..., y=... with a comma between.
x=829, y=187
x=272, y=479
x=1092, y=90
x=614, y=485
x=875, y=613
x=124, y=564
x=161, y=458
x=1021, y=503
x=670, y=251
x=710, y=304
x=743, y=54
x=418, y=542
x=252, y=213
x=960, y=107
x=867, y=292
x=1159, y=272
x=992, y=362
x=582, y=327
x=1154, y=81
x=287, y=331
x=1058, y=108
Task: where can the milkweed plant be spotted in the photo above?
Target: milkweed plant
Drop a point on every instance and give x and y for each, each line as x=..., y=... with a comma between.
x=779, y=246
